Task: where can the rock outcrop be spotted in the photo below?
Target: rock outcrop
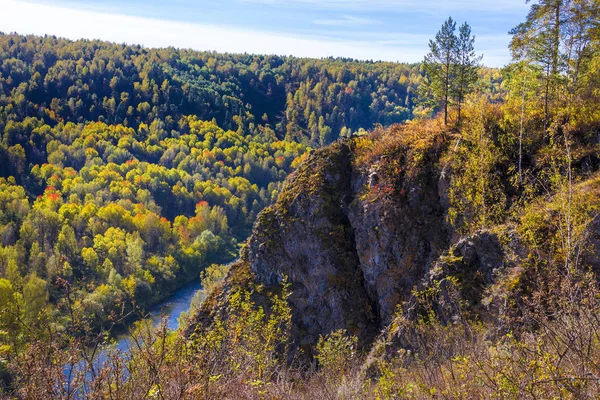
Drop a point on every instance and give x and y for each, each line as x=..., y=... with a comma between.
x=351, y=241
x=360, y=231
x=307, y=236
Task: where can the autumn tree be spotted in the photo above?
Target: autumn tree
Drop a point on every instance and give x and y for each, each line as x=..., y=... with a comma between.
x=524, y=86
x=559, y=36
x=538, y=40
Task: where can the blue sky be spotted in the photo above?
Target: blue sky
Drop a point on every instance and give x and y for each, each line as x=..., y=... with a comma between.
x=391, y=30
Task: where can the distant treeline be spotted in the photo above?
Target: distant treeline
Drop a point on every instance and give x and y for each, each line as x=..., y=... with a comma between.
x=307, y=100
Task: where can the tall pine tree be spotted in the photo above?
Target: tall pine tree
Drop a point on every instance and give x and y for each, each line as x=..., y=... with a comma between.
x=466, y=66
x=439, y=67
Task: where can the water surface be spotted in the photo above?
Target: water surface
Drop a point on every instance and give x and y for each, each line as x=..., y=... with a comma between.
x=170, y=309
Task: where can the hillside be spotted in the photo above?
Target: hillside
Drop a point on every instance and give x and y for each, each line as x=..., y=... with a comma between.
x=362, y=242
x=399, y=231
x=307, y=100
x=125, y=171
x=391, y=267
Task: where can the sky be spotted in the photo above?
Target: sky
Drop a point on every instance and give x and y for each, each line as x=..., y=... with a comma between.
x=388, y=30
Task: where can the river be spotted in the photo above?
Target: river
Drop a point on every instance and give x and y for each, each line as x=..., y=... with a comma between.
x=171, y=309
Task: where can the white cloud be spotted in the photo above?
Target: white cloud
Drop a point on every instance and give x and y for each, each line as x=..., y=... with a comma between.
x=401, y=5
x=29, y=18
x=345, y=20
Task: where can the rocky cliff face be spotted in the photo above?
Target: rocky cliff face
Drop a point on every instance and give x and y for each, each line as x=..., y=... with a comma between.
x=360, y=232
x=399, y=233
x=307, y=237
x=353, y=238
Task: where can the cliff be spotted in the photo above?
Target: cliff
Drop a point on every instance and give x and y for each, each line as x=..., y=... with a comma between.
x=360, y=232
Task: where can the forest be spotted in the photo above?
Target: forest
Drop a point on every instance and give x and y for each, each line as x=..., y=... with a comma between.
x=312, y=101
x=126, y=172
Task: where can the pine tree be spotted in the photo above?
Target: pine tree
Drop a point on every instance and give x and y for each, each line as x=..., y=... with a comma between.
x=467, y=65
x=560, y=37
x=538, y=39
x=439, y=67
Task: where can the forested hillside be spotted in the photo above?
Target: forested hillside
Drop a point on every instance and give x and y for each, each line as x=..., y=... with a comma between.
x=455, y=255
x=304, y=99
x=452, y=257
x=124, y=171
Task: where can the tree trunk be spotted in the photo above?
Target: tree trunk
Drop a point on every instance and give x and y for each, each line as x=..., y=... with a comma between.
x=446, y=97
x=521, y=136
x=447, y=88
x=556, y=39
x=546, y=99
x=461, y=94
x=446, y=111
x=555, y=47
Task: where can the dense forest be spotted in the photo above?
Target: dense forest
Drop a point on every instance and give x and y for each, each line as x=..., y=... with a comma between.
x=449, y=252
x=307, y=100
x=126, y=170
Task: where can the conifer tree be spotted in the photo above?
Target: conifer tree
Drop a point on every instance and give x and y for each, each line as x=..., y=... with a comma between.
x=439, y=67
x=538, y=39
x=560, y=37
x=466, y=65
